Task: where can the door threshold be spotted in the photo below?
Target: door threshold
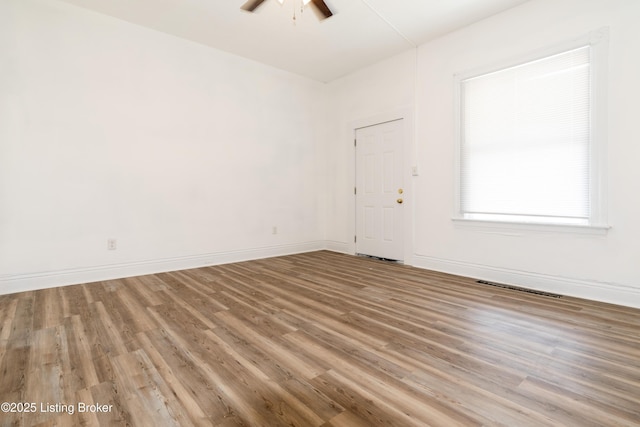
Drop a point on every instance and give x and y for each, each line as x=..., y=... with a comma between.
x=379, y=258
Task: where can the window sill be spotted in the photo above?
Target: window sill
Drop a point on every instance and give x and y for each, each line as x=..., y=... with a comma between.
x=596, y=230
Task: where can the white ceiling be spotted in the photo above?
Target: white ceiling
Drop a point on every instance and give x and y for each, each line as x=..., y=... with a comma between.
x=360, y=33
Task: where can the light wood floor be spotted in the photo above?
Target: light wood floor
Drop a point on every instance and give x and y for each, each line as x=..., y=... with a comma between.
x=318, y=339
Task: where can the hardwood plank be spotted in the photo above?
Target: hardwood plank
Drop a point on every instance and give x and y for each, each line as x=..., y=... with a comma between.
x=188, y=381
x=14, y=365
x=142, y=385
x=111, y=394
x=8, y=308
x=174, y=387
x=317, y=339
x=79, y=349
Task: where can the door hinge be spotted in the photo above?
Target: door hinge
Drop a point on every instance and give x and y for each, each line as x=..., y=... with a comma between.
x=355, y=142
x=355, y=239
x=355, y=190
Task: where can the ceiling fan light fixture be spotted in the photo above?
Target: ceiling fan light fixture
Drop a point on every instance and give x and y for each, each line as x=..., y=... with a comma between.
x=252, y=5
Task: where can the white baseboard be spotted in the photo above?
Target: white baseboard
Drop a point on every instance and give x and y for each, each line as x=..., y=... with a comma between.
x=598, y=291
x=335, y=246
x=49, y=279
x=606, y=292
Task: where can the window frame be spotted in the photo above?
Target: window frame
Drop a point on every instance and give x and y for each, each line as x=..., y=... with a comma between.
x=598, y=40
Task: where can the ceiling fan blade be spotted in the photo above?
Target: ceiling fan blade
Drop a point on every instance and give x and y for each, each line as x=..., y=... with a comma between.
x=323, y=8
x=251, y=5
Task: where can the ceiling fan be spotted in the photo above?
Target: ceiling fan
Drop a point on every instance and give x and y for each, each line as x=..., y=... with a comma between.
x=322, y=7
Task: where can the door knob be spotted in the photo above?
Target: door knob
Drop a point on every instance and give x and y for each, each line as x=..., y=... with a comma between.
x=399, y=201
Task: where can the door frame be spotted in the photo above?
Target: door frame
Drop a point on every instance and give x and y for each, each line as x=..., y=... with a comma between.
x=408, y=153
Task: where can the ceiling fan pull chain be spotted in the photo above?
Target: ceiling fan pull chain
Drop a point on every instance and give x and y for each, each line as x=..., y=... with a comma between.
x=294, y=12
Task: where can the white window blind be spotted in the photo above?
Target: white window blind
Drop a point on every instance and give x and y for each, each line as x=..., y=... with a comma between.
x=525, y=135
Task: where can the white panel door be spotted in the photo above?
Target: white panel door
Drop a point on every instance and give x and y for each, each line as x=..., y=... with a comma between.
x=379, y=190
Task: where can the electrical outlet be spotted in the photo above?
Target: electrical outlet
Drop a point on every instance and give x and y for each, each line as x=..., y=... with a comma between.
x=112, y=244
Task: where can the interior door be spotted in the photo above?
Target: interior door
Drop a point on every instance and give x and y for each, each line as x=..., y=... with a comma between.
x=380, y=191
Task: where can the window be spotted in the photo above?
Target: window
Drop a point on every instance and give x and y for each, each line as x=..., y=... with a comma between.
x=529, y=149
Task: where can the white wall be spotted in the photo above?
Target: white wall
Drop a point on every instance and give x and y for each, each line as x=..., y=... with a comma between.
x=184, y=154
x=597, y=266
